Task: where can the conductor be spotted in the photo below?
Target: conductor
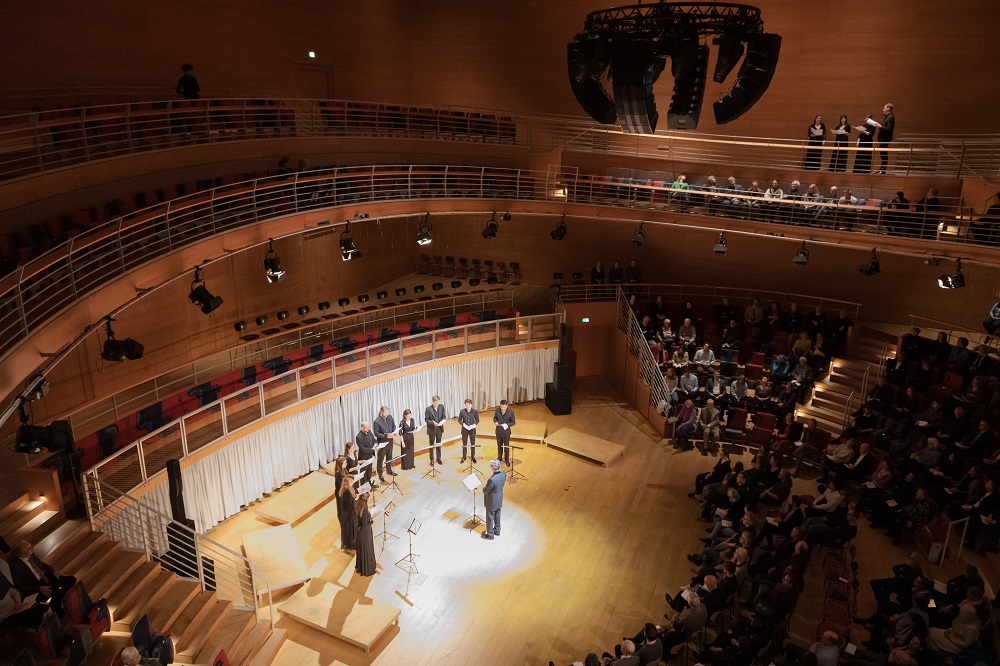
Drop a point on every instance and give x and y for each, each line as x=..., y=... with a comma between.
x=384, y=428
x=366, y=448
x=493, y=498
x=434, y=417
x=503, y=417
x=468, y=418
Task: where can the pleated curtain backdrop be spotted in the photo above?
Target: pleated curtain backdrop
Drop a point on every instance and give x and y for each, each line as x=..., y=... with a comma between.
x=219, y=485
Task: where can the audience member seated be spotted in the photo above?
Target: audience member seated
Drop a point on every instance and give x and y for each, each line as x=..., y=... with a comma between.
x=708, y=427
x=17, y=611
x=31, y=575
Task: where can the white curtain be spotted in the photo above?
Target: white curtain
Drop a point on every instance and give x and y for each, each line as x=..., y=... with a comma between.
x=219, y=485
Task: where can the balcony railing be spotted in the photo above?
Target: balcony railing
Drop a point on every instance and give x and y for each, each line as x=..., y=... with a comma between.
x=53, y=138
x=38, y=291
x=139, y=461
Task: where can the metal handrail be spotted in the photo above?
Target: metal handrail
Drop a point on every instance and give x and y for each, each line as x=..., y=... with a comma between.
x=52, y=138
x=955, y=331
x=40, y=290
x=111, y=408
x=864, y=381
x=146, y=457
x=137, y=526
x=638, y=348
x=848, y=410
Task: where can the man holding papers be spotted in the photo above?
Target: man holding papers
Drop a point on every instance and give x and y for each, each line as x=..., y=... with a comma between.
x=385, y=431
x=366, y=448
x=468, y=418
x=503, y=417
x=434, y=418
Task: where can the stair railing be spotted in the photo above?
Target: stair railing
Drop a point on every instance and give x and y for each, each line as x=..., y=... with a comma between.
x=638, y=348
x=864, y=381
x=848, y=410
x=139, y=527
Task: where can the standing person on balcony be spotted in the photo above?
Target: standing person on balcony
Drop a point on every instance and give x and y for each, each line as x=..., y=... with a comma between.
x=884, y=135
x=838, y=159
x=817, y=135
x=597, y=273
x=633, y=275
x=187, y=85
x=866, y=135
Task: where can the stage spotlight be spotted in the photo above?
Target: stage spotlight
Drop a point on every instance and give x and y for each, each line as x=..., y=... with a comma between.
x=801, y=257
x=282, y=315
x=720, y=244
x=239, y=326
x=381, y=295
x=639, y=237
x=490, y=231
x=303, y=310
x=363, y=298
x=455, y=284
x=424, y=231
x=730, y=52
x=872, y=266
x=400, y=291
x=437, y=286
x=956, y=281
x=119, y=350
x=343, y=302
x=261, y=320
x=347, y=249
x=38, y=388
x=201, y=296
x=560, y=231
x=419, y=289
x=474, y=282
x=323, y=306
x=272, y=264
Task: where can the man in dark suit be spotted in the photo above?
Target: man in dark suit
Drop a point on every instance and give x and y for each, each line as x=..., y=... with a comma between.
x=366, y=448
x=884, y=136
x=493, y=499
x=468, y=418
x=708, y=426
x=503, y=417
x=434, y=418
x=384, y=428
x=31, y=575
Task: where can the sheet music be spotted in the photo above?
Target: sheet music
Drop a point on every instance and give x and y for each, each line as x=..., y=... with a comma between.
x=469, y=426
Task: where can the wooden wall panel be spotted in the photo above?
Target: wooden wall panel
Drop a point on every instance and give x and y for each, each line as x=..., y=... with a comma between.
x=847, y=56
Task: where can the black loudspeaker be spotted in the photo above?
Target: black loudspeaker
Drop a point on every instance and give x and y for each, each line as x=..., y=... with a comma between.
x=62, y=436
x=176, y=490
x=587, y=63
x=559, y=403
x=561, y=378
x=634, y=68
x=754, y=78
x=689, y=92
x=180, y=555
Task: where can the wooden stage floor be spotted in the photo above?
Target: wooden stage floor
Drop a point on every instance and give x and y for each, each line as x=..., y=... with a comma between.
x=585, y=556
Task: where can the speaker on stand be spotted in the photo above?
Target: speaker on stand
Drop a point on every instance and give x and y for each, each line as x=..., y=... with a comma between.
x=180, y=556
x=558, y=397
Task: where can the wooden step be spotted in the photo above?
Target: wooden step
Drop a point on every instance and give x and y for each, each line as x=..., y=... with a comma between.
x=260, y=654
x=38, y=527
x=19, y=517
x=171, y=604
x=13, y=507
x=191, y=615
x=138, y=603
x=100, y=559
x=194, y=638
x=825, y=423
x=834, y=401
x=227, y=636
x=66, y=532
x=122, y=566
x=829, y=413
x=840, y=389
x=845, y=380
x=139, y=581
x=866, y=332
x=79, y=553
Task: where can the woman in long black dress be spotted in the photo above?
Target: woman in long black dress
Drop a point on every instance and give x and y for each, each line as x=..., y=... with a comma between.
x=866, y=135
x=817, y=135
x=406, y=427
x=365, y=564
x=346, y=496
x=339, y=473
x=838, y=160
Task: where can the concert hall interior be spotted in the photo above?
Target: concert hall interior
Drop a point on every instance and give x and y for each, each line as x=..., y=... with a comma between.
x=231, y=232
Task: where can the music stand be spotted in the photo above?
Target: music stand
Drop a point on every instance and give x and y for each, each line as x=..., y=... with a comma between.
x=370, y=462
x=385, y=534
x=471, y=482
x=472, y=468
x=432, y=472
x=514, y=474
x=392, y=484
x=408, y=563
x=374, y=458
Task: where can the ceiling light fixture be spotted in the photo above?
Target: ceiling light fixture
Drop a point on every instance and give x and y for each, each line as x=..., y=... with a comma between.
x=201, y=296
x=871, y=267
x=801, y=257
x=272, y=264
x=956, y=281
x=639, y=237
x=559, y=232
x=490, y=231
x=348, y=251
x=424, y=231
x=720, y=244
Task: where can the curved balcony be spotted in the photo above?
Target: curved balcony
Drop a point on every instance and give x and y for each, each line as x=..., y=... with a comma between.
x=37, y=292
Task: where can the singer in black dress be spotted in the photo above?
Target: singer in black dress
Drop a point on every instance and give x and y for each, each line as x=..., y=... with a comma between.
x=816, y=135
x=406, y=428
x=838, y=160
x=346, y=497
x=365, y=564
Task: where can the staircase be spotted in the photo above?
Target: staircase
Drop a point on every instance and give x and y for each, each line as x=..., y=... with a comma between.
x=846, y=378
x=25, y=518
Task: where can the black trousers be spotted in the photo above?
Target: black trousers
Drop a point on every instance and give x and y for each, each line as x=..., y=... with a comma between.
x=434, y=438
x=503, y=441
x=468, y=437
x=883, y=154
x=384, y=456
x=368, y=468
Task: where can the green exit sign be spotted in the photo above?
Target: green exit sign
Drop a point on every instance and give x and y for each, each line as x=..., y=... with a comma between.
x=586, y=320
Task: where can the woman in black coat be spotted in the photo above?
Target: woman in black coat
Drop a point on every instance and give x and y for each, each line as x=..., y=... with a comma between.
x=838, y=160
x=346, y=497
x=407, y=426
x=817, y=135
x=365, y=564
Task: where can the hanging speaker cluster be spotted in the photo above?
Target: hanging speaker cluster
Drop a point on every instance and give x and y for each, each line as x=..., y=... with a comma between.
x=628, y=47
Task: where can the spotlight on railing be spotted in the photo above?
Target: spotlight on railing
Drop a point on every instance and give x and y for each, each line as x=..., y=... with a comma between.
x=282, y=315
x=120, y=350
x=639, y=237
x=437, y=286
x=323, y=306
x=400, y=291
x=491, y=227
x=261, y=320
x=474, y=282
x=801, y=257
x=303, y=310
x=720, y=244
x=871, y=267
x=272, y=264
x=560, y=231
x=455, y=284
x=239, y=326
x=348, y=251
x=202, y=297
x=343, y=302
x=363, y=298
x=419, y=289
x=381, y=295
x=956, y=281
x=424, y=231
